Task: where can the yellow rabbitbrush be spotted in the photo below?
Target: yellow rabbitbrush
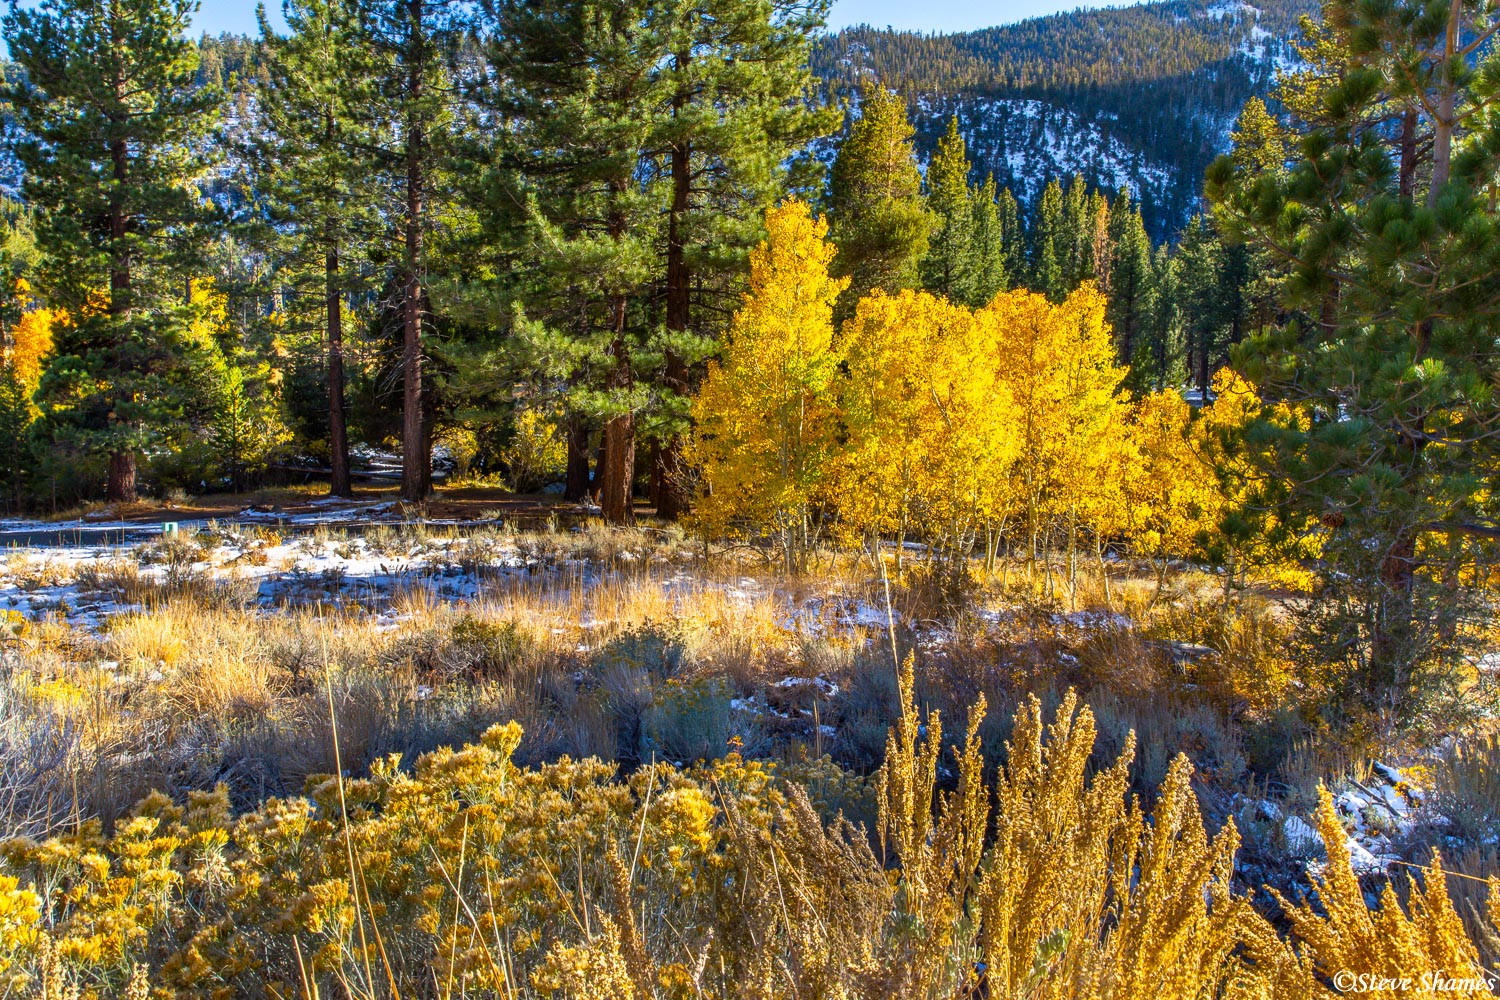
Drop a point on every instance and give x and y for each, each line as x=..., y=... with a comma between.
x=467, y=875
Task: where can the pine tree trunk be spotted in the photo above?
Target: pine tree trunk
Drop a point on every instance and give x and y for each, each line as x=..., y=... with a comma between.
x=668, y=482
x=338, y=435
x=416, y=465
x=429, y=423
x=121, y=485
x=1446, y=117
x=576, y=486
x=1408, y=171
x=1391, y=632
x=617, y=464
x=618, y=461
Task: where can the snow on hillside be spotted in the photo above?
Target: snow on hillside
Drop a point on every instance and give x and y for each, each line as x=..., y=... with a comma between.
x=1027, y=142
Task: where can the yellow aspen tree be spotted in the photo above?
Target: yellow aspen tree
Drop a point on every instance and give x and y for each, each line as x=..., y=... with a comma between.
x=889, y=346
x=765, y=417
x=1173, y=497
x=1102, y=497
x=1059, y=362
x=973, y=444
x=30, y=344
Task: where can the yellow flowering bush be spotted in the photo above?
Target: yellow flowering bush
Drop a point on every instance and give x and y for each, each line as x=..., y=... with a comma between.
x=467, y=875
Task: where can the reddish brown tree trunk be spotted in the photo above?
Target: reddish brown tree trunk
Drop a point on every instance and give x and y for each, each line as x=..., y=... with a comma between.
x=669, y=486
x=416, y=464
x=617, y=471
x=338, y=434
x=120, y=486
x=1408, y=172
x=576, y=486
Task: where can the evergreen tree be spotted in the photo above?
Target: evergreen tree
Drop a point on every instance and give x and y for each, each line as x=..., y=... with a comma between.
x=584, y=88
x=113, y=130
x=949, y=269
x=1199, y=288
x=1158, y=357
x=1131, y=287
x=879, y=221
x=1387, y=218
x=1049, y=244
x=1073, y=241
x=1012, y=236
x=991, y=253
x=737, y=83
x=313, y=171
x=409, y=121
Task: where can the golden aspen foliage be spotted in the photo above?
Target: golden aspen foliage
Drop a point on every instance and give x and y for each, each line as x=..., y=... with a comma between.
x=30, y=344
x=765, y=417
x=929, y=427
x=1059, y=362
x=1172, y=496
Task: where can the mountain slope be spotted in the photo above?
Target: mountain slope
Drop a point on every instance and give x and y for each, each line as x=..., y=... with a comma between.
x=1139, y=98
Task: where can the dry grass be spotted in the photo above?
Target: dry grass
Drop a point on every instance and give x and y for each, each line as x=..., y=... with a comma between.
x=624, y=644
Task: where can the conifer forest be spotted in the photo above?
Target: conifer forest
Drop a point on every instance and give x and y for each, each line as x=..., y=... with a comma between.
x=669, y=500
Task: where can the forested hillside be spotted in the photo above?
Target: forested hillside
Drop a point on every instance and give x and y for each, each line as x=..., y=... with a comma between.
x=1136, y=97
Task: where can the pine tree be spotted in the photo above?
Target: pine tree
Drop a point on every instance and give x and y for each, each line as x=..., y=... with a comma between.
x=1049, y=244
x=1075, y=238
x=991, y=254
x=570, y=173
x=1200, y=292
x=313, y=170
x=409, y=122
x=879, y=221
x=738, y=87
x=949, y=269
x=1012, y=237
x=1257, y=139
x=1131, y=289
x=1158, y=360
x=1393, y=373
x=113, y=136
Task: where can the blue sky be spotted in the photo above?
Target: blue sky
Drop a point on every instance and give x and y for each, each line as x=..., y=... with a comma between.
x=918, y=15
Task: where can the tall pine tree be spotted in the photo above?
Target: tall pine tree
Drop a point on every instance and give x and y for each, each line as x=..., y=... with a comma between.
x=312, y=170
x=584, y=88
x=410, y=121
x=949, y=267
x=113, y=133
x=1131, y=278
x=1049, y=245
x=1387, y=224
x=880, y=222
x=737, y=84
